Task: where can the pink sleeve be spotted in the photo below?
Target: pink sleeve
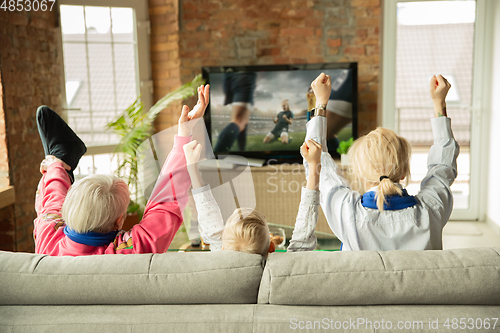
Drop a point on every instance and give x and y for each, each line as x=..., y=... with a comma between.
x=163, y=214
x=52, y=191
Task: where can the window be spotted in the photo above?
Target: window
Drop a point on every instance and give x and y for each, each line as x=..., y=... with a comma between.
x=102, y=71
x=422, y=38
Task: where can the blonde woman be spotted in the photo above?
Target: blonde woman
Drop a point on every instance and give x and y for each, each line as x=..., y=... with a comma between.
x=375, y=212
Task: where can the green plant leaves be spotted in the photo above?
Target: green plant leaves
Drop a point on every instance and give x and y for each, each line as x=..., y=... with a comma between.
x=344, y=146
x=134, y=126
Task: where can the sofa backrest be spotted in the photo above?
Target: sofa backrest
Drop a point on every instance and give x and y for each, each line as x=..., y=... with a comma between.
x=170, y=278
x=462, y=276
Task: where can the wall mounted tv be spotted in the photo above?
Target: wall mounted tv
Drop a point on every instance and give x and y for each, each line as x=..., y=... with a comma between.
x=262, y=111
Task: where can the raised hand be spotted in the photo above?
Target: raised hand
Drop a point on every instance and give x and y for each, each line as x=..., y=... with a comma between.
x=322, y=87
x=192, y=151
x=439, y=88
x=311, y=151
x=203, y=98
x=197, y=112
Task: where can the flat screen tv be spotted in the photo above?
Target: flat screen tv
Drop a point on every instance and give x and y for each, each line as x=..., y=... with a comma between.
x=262, y=111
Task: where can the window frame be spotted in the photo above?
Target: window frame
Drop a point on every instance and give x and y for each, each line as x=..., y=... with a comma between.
x=481, y=97
x=143, y=63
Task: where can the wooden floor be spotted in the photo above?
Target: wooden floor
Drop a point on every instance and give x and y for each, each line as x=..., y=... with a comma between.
x=459, y=234
x=456, y=234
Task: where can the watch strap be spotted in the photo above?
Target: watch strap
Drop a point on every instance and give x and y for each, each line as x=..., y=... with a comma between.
x=318, y=112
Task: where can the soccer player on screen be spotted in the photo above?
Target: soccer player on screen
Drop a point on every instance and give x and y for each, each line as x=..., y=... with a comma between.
x=282, y=121
x=239, y=89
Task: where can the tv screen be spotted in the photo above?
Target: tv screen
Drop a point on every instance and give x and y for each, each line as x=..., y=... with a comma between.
x=262, y=111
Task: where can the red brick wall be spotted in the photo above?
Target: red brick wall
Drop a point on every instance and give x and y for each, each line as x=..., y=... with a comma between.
x=31, y=74
x=229, y=32
x=165, y=61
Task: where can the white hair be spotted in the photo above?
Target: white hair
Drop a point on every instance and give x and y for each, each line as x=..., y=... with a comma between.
x=95, y=203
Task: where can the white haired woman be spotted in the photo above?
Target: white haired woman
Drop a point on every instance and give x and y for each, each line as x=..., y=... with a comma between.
x=86, y=219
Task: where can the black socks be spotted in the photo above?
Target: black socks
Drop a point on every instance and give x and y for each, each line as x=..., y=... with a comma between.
x=227, y=137
x=242, y=139
x=58, y=139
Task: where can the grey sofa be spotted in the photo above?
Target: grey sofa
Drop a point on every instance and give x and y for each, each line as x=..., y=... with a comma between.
x=235, y=292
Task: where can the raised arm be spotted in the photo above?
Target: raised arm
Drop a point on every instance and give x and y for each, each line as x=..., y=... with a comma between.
x=337, y=199
x=435, y=188
x=52, y=191
x=316, y=127
x=209, y=215
x=53, y=187
x=163, y=213
x=304, y=238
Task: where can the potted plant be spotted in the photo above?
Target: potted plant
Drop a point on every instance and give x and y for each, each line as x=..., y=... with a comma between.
x=343, y=149
x=134, y=126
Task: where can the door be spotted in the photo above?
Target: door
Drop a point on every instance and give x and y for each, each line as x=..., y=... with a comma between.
x=427, y=38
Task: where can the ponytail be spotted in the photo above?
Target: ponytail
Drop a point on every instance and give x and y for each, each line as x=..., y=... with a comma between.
x=386, y=187
x=380, y=152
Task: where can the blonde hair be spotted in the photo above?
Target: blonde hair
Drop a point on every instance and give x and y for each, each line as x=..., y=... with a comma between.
x=246, y=231
x=380, y=153
x=95, y=203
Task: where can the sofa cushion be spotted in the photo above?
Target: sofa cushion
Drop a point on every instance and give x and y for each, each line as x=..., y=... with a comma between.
x=170, y=278
x=462, y=276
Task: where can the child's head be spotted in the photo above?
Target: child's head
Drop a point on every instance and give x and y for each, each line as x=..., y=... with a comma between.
x=380, y=153
x=96, y=203
x=247, y=231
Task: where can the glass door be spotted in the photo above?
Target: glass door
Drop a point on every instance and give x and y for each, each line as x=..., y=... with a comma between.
x=435, y=37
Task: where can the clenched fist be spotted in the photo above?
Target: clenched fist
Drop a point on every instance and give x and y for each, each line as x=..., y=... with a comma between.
x=311, y=151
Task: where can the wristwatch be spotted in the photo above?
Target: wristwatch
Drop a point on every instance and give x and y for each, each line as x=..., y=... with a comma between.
x=320, y=111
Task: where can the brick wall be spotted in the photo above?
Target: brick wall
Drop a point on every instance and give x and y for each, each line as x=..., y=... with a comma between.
x=227, y=32
x=31, y=75
x=185, y=35
x=165, y=61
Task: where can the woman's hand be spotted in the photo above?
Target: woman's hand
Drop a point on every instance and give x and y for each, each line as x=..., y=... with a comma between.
x=311, y=150
x=49, y=159
x=192, y=151
x=185, y=127
x=322, y=88
x=439, y=88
